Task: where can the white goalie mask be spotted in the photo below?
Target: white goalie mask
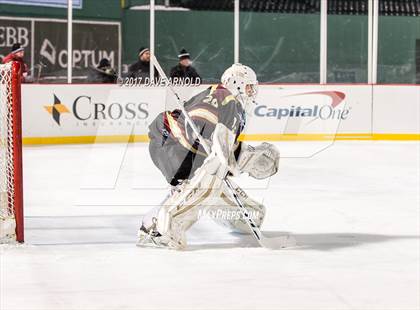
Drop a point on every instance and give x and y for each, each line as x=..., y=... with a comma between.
x=242, y=82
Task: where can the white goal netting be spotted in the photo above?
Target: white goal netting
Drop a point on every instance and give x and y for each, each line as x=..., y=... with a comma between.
x=7, y=218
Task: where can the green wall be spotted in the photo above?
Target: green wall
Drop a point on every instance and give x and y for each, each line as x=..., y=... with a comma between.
x=208, y=36
x=135, y=29
x=347, y=49
x=397, y=49
x=281, y=47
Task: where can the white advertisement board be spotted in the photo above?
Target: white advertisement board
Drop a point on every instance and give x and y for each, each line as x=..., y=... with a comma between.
x=63, y=111
x=108, y=113
x=396, y=109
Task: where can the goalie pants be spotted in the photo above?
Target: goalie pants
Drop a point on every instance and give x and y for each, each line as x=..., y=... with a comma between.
x=169, y=156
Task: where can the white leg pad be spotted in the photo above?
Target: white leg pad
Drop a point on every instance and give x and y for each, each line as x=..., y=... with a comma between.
x=181, y=209
x=226, y=213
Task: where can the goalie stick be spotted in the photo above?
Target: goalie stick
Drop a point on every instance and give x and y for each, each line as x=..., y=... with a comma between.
x=266, y=242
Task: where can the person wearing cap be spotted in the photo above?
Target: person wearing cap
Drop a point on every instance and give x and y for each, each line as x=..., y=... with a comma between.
x=103, y=73
x=17, y=54
x=183, y=71
x=141, y=68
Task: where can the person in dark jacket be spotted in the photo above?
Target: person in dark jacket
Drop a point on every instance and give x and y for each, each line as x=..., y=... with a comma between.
x=17, y=54
x=141, y=68
x=104, y=73
x=184, y=71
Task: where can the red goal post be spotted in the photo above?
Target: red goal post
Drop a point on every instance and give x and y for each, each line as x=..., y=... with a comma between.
x=11, y=181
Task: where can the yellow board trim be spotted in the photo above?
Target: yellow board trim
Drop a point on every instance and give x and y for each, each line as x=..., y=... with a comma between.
x=406, y=136
x=245, y=137
x=85, y=139
x=329, y=137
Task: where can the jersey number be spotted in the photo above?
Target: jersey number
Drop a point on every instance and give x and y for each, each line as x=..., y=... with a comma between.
x=210, y=100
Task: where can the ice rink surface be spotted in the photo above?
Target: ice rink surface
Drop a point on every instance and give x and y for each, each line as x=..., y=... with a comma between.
x=353, y=208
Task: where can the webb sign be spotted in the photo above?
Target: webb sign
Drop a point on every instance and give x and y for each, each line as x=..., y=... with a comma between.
x=45, y=43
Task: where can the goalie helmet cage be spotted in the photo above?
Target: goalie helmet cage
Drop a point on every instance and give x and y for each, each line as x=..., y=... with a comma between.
x=11, y=193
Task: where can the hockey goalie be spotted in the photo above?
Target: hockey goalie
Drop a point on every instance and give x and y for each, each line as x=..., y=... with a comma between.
x=219, y=114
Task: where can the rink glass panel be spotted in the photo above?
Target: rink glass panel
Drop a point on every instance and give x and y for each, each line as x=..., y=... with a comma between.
x=398, y=36
x=281, y=47
x=347, y=48
x=206, y=35
x=135, y=34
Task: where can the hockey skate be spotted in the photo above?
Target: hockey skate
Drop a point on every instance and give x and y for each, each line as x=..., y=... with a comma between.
x=151, y=238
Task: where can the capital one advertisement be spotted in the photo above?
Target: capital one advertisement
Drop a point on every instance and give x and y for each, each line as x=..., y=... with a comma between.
x=311, y=110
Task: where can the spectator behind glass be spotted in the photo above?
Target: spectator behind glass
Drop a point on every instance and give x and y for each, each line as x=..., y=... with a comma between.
x=141, y=68
x=104, y=73
x=184, y=71
x=17, y=54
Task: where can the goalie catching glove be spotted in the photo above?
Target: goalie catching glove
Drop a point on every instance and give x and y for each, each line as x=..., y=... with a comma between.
x=259, y=162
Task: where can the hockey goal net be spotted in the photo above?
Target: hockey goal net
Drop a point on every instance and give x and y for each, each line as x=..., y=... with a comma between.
x=11, y=198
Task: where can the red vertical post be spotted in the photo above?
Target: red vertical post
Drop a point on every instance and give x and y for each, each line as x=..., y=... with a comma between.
x=17, y=150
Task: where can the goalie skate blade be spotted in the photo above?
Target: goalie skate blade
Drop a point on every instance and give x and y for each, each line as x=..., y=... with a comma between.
x=155, y=245
x=278, y=243
x=152, y=246
x=149, y=243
